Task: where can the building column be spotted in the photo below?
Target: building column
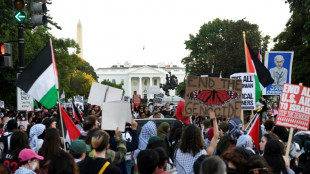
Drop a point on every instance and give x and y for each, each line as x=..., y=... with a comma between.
x=129, y=87
x=151, y=84
x=140, y=86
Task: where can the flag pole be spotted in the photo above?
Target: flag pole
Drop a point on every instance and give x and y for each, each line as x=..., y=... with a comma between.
x=246, y=59
x=61, y=121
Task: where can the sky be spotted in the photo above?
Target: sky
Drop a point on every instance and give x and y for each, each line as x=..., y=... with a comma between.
x=115, y=31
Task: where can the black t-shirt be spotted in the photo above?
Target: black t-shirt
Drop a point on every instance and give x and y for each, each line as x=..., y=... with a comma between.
x=93, y=166
x=166, y=113
x=8, y=161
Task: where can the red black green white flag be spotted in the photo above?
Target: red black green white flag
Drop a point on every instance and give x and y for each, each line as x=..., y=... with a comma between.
x=40, y=78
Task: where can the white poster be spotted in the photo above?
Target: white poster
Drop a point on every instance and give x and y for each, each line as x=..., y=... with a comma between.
x=102, y=93
x=113, y=116
x=154, y=89
x=248, y=89
x=24, y=101
x=79, y=102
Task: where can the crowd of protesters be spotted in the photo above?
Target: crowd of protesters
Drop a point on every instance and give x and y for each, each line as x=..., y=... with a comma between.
x=33, y=143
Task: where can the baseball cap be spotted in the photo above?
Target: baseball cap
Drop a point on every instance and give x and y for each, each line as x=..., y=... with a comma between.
x=79, y=147
x=28, y=154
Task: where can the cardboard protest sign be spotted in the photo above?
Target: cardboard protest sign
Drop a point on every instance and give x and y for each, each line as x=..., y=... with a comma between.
x=294, y=109
x=154, y=90
x=219, y=94
x=102, y=93
x=115, y=114
x=248, y=90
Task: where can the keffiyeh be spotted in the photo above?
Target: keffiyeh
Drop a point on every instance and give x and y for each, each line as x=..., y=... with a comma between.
x=235, y=128
x=35, y=131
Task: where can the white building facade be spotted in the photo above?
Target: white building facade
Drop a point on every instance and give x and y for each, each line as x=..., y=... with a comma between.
x=137, y=79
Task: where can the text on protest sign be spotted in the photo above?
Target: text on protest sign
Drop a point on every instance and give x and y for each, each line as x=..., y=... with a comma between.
x=294, y=109
x=248, y=89
x=136, y=100
x=221, y=95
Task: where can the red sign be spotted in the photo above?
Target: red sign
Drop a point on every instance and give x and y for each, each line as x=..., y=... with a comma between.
x=137, y=100
x=294, y=109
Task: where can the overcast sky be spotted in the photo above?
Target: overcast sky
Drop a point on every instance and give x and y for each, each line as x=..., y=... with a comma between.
x=115, y=31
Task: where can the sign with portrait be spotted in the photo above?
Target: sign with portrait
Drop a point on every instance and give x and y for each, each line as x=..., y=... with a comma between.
x=279, y=64
x=248, y=89
x=294, y=109
x=221, y=95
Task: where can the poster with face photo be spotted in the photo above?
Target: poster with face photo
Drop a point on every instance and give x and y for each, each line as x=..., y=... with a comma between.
x=279, y=64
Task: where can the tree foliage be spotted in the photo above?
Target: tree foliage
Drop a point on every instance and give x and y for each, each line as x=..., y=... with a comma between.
x=68, y=65
x=220, y=43
x=108, y=83
x=296, y=37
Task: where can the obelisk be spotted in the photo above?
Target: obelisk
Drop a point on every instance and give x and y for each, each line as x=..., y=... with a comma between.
x=79, y=38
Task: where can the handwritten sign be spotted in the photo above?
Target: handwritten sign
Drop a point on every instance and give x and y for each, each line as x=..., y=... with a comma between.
x=248, y=89
x=294, y=109
x=24, y=101
x=221, y=95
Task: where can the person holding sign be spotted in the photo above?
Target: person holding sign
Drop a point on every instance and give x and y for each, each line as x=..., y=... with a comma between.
x=192, y=146
x=180, y=114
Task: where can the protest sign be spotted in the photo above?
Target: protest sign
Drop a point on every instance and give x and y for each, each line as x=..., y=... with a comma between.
x=102, y=93
x=113, y=116
x=158, y=98
x=24, y=101
x=154, y=90
x=221, y=95
x=136, y=100
x=248, y=90
x=294, y=109
x=79, y=102
x=279, y=64
x=1, y=104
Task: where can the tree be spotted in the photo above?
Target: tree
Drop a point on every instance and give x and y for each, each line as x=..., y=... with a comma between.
x=35, y=40
x=108, y=83
x=220, y=43
x=296, y=37
x=181, y=86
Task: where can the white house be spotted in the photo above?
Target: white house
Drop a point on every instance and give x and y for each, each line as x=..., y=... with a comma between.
x=136, y=79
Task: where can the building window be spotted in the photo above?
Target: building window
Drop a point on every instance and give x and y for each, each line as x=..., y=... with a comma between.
x=155, y=82
x=122, y=82
x=113, y=81
x=145, y=82
x=135, y=92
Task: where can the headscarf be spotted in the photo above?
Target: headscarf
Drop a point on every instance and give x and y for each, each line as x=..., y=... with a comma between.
x=235, y=128
x=35, y=131
x=244, y=141
x=148, y=130
x=162, y=130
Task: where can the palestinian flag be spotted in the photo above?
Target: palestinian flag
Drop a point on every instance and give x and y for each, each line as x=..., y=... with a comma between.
x=77, y=114
x=261, y=73
x=40, y=78
x=73, y=131
x=254, y=131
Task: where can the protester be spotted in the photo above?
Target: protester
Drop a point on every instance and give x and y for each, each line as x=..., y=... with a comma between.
x=236, y=160
x=274, y=156
x=50, y=122
x=5, y=138
x=50, y=148
x=246, y=142
x=148, y=161
x=163, y=160
x=96, y=163
x=180, y=114
x=90, y=122
x=163, y=129
x=78, y=149
x=36, y=136
x=166, y=111
x=213, y=165
x=192, y=146
x=19, y=141
x=62, y=164
x=258, y=164
x=28, y=160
